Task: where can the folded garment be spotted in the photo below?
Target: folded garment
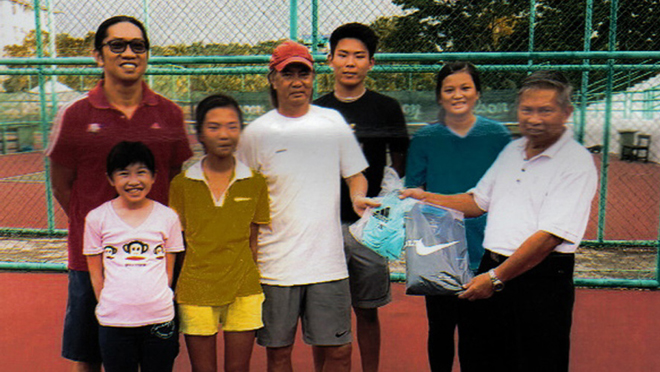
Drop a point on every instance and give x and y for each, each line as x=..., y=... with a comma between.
x=436, y=251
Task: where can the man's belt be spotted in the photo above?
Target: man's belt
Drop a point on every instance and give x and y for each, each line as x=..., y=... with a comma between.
x=499, y=258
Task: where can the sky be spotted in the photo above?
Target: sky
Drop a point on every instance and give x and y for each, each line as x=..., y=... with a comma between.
x=222, y=21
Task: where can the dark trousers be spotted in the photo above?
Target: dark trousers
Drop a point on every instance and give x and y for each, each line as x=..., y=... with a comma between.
x=80, y=340
x=445, y=314
x=527, y=326
x=153, y=348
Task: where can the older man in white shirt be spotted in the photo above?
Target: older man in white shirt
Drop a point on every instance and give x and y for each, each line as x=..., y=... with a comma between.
x=538, y=196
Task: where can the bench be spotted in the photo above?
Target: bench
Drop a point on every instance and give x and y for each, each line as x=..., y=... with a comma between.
x=639, y=150
x=17, y=136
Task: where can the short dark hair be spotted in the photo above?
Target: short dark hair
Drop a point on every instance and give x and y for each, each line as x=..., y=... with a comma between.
x=102, y=30
x=549, y=79
x=211, y=102
x=126, y=153
x=357, y=31
x=454, y=67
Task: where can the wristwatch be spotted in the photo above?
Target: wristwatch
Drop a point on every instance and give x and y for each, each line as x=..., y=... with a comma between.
x=498, y=285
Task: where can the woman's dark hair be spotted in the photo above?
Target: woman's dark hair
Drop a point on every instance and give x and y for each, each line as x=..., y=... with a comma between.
x=102, y=31
x=211, y=102
x=127, y=153
x=454, y=67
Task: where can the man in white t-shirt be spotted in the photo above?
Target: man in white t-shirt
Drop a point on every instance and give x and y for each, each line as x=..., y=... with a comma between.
x=538, y=196
x=303, y=151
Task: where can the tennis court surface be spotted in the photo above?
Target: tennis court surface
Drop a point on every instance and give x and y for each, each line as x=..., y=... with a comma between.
x=614, y=330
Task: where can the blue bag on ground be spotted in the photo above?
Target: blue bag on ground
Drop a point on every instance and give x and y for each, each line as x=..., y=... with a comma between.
x=437, y=260
x=382, y=228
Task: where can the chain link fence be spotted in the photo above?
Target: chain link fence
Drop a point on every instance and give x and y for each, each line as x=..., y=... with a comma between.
x=617, y=94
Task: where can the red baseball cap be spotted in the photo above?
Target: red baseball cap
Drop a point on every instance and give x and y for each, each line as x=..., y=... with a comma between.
x=290, y=52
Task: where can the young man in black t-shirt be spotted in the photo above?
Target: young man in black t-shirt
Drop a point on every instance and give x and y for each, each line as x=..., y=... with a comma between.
x=380, y=126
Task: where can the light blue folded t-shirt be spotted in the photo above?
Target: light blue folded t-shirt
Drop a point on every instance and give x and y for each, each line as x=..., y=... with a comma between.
x=385, y=231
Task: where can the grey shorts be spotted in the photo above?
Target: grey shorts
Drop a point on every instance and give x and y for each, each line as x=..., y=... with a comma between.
x=369, y=274
x=324, y=310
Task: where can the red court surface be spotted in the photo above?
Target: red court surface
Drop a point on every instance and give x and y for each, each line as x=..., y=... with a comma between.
x=633, y=198
x=614, y=330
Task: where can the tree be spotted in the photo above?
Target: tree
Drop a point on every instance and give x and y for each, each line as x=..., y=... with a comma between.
x=503, y=26
x=66, y=46
x=454, y=25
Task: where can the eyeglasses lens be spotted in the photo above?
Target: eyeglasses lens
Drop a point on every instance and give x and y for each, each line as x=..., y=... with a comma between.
x=119, y=46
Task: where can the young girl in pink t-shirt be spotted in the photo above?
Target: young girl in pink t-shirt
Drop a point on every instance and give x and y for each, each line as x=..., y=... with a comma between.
x=131, y=243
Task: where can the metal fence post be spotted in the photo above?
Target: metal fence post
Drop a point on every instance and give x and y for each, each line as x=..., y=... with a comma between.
x=43, y=115
x=532, y=26
x=293, y=20
x=145, y=11
x=584, y=90
x=608, y=123
x=315, y=38
x=52, y=47
x=315, y=26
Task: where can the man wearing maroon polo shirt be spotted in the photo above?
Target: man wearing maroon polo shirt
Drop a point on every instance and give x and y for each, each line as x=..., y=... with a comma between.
x=121, y=107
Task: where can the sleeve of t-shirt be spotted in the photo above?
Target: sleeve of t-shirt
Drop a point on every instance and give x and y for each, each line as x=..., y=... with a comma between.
x=416, y=164
x=398, y=140
x=92, y=237
x=246, y=151
x=262, y=212
x=62, y=147
x=176, y=199
x=352, y=159
x=484, y=190
x=565, y=211
x=174, y=238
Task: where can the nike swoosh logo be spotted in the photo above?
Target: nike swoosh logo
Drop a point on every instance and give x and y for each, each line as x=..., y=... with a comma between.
x=423, y=250
x=340, y=334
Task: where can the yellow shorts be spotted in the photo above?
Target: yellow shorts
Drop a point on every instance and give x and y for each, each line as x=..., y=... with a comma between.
x=244, y=314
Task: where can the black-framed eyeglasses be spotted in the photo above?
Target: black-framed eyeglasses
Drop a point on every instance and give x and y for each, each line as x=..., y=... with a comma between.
x=119, y=46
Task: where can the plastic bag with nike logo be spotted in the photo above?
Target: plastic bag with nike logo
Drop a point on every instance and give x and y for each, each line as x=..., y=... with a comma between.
x=436, y=251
